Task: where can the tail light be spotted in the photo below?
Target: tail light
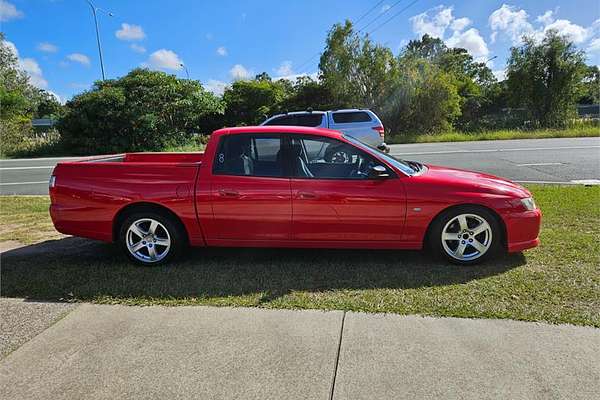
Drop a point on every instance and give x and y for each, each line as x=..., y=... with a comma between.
x=381, y=131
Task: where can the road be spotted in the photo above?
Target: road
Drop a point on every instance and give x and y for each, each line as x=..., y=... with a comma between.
x=530, y=160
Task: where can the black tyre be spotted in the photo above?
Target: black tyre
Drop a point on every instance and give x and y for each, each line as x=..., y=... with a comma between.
x=465, y=235
x=151, y=238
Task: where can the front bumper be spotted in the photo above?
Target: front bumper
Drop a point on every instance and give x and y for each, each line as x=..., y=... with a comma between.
x=522, y=230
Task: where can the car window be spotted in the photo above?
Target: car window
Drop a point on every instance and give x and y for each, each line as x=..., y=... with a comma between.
x=324, y=158
x=310, y=120
x=251, y=155
x=349, y=117
x=283, y=120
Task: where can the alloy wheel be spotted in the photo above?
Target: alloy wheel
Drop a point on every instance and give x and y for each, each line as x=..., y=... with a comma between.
x=466, y=237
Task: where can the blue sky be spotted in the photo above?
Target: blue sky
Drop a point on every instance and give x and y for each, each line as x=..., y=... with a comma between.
x=219, y=41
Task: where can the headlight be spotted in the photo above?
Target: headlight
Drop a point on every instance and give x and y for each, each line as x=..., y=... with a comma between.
x=528, y=203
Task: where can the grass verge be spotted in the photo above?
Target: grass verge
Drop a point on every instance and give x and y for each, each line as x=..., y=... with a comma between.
x=585, y=131
x=558, y=282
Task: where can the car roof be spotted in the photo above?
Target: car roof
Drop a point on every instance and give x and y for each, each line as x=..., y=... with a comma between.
x=279, y=129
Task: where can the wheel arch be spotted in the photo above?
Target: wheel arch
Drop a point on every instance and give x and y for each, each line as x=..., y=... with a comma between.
x=129, y=209
x=494, y=213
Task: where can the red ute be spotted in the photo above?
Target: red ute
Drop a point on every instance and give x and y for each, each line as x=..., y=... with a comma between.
x=275, y=186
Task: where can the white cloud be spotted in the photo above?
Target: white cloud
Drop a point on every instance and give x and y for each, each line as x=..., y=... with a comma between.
x=32, y=68
x=434, y=25
x=8, y=11
x=514, y=23
x=285, y=69
x=29, y=66
x=165, y=59
x=500, y=74
x=222, y=51
x=437, y=21
x=238, y=71
x=209, y=36
x=215, y=86
x=79, y=58
x=546, y=18
x=577, y=34
x=137, y=48
x=385, y=7
x=460, y=23
x=56, y=96
x=47, y=47
x=470, y=40
x=511, y=21
x=594, y=46
x=293, y=77
x=130, y=32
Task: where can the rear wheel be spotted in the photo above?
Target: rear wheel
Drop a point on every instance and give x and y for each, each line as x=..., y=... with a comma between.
x=466, y=235
x=151, y=238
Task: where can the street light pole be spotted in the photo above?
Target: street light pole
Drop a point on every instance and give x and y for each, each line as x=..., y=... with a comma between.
x=94, y=9
x=186, y=70
x=490, y=59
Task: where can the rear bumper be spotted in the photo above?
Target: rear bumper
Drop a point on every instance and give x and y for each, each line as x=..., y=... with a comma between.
x=522, y=230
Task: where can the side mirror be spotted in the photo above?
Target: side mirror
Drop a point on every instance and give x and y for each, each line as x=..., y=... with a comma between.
x=378, y=171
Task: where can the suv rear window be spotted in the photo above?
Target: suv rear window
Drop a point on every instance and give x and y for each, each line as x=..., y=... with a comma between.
x=348, y=117
x=311, y=120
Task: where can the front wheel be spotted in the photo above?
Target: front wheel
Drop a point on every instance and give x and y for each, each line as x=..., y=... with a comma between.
x=466, y=235
x=150, y=238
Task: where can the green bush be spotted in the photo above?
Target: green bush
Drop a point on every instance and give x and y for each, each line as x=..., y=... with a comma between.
x=142, y=111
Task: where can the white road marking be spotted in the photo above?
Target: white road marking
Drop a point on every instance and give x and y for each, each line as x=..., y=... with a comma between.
x=573, y=182
x=495, y=150
x=43, y=159
x=16, y=168
x=539, y=164
x=23, y=183
x=586, y=181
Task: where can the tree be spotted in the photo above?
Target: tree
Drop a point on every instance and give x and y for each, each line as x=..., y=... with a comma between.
x=142, y=111
x=250, y=101
x=357, y=72
x=591, y=86
x=546, y=78
x=423, y=100
x=309, y=93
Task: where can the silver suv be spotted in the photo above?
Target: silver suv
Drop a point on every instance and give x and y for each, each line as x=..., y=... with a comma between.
x=363, y=125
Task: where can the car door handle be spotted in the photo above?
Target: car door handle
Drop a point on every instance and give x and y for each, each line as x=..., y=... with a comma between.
x=229, y=193
x=307, y=195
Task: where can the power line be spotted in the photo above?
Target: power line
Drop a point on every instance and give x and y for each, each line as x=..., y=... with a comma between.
x=393, y=16
x=306, y=63
x=373, y=30
x=368, y=12
x=379, y=16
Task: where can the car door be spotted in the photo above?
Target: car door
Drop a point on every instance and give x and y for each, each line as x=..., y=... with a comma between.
x=250, y=194
x=334, y=199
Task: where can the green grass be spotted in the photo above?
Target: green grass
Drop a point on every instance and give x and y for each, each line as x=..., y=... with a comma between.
x=25, y=219
x=559, y=282
x=506, y=134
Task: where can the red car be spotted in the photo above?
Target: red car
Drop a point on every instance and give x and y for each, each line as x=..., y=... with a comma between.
x=283, y=186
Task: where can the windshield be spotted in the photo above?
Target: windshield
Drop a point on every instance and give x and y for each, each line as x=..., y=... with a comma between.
x=402, y=165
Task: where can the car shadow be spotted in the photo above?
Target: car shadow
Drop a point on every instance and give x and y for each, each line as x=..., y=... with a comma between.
x=74, y=269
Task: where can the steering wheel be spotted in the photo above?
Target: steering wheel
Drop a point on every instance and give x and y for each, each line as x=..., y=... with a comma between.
x=361, y=170
x=337, y=155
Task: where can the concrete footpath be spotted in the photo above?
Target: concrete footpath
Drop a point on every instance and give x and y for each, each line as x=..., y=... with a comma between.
x=110, y=352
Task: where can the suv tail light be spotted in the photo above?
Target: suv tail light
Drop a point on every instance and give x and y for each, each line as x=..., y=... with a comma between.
x=381, y=131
